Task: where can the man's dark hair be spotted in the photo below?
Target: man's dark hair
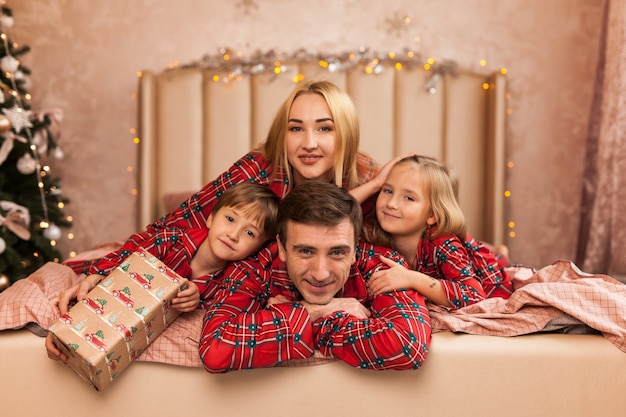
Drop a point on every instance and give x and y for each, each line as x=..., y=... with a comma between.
x=318, y=203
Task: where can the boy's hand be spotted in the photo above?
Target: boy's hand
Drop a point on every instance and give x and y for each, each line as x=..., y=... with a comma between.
x=77, y=292
x=188, y=299
x=53, y=352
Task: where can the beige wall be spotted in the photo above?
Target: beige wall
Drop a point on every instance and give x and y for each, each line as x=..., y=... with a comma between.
x=85, y=56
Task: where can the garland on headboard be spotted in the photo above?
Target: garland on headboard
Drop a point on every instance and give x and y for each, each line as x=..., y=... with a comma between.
x=232, y=65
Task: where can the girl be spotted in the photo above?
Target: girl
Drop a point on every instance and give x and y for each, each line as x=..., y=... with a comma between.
x=418, y=215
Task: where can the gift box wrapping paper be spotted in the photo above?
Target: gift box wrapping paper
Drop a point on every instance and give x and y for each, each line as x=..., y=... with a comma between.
x=102, y=334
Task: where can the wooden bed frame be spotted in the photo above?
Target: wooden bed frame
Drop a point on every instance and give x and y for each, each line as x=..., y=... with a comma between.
x=193, y=127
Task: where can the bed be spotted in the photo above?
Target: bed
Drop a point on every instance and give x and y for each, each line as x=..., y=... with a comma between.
x=557, y=347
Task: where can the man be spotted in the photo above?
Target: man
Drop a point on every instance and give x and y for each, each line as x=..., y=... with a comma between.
x=308, y=290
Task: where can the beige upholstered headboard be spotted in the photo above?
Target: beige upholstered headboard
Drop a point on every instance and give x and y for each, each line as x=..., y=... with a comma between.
x=193, y=126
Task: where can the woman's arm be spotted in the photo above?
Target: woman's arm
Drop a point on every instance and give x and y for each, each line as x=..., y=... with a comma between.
x=368, y=189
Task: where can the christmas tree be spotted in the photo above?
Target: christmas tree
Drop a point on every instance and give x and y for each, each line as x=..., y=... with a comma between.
x=31, y=204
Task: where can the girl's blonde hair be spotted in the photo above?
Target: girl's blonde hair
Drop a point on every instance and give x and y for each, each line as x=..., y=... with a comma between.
x=344, y=115
x=440, y=186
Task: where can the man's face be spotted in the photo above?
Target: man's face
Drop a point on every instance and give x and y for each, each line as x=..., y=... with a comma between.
x=318, y=258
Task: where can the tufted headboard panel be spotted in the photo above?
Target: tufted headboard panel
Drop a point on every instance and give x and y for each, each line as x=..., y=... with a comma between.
x=193, y=125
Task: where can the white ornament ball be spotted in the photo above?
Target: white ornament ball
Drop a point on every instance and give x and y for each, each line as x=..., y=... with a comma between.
x=5, y=282
x=53, y=232
x=3, y=245
x=58, y=153
x=26, y=164
x=6, y=21
x=9, y=64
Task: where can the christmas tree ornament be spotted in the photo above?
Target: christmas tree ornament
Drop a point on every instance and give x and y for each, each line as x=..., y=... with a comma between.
x=53, y=232
x=4, y=282
x=3, y=245
x=58, y=153
x=26, y=164
x=16, y=219
x=9, y=64
x=19, y=117
x=5, y=123
x=6, y=21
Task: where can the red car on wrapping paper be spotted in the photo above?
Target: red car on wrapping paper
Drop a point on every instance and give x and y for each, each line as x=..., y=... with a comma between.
x=125, y=331
x=97, y=307
x=175, y=278
x=66, y=318
x=144, y=281
x=96, y=341
x=123, y=298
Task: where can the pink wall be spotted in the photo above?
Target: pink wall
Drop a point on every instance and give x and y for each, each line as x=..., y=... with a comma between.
x=85, y=56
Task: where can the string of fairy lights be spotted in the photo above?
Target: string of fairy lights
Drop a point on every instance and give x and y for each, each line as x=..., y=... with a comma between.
x=229, y=65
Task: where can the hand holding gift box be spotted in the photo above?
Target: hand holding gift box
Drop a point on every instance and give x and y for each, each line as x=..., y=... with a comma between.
x=119, y=318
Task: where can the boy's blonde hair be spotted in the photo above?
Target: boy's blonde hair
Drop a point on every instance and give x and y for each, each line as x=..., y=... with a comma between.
x=255, y=200
x=440, y=186
x=345, y=118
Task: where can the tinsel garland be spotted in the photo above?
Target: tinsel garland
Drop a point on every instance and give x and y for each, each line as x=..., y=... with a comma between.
x=232, y=64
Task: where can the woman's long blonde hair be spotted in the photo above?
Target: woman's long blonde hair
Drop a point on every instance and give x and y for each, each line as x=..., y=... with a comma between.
x=441, y=190
x=346, y=122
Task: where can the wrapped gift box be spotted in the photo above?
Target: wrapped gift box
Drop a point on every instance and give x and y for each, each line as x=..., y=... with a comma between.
x=119, y=318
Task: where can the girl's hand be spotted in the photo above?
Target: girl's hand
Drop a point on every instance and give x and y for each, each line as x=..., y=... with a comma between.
x=395, y=278
x=188, y=299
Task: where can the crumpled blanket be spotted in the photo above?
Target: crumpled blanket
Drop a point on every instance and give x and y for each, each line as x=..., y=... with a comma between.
x=558, y=297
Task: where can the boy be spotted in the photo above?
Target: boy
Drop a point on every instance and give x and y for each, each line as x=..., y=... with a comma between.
x=243, y=219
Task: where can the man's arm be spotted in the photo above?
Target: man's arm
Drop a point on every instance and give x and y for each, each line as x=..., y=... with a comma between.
x=238, y=333
x=396, y=336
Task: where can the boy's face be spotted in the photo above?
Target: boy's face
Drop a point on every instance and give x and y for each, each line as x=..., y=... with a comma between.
x=233, y=234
